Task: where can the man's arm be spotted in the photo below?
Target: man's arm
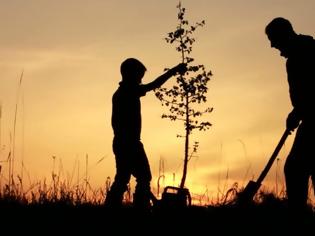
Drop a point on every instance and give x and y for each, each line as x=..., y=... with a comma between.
x=181, y=68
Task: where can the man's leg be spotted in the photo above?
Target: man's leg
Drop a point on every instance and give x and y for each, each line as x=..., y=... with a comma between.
x=297, y=173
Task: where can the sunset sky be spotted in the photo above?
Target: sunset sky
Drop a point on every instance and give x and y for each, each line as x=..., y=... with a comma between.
x=71, y=50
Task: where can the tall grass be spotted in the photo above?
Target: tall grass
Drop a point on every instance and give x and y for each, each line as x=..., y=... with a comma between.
x=56, y=190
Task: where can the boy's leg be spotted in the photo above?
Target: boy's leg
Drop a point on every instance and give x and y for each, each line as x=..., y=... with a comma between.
x=123, y=173
x=143, y=177
x=115, y=195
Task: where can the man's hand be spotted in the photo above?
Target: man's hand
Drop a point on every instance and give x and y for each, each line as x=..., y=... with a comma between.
x=293, y=121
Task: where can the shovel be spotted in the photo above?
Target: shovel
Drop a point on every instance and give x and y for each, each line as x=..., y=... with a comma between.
x=247, y=195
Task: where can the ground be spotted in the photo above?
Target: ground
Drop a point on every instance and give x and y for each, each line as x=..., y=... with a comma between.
x=88, y=219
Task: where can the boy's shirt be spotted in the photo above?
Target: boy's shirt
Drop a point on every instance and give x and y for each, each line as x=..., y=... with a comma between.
x=126, y=112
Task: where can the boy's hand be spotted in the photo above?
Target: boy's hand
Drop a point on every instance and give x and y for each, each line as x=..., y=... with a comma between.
x=180, y=68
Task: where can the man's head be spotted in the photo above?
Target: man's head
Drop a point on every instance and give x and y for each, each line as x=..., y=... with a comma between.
x=132, y=71
x=280, y=33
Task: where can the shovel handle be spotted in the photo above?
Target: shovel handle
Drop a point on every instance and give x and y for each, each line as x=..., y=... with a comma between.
x=263, y=174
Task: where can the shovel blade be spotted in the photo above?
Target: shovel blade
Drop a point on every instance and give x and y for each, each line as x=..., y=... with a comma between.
x=247, y=195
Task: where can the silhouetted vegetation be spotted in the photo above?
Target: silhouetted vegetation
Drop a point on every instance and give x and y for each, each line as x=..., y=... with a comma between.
x=68, y=209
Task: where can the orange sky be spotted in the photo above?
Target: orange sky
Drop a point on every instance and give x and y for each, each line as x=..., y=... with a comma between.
x=71, y=51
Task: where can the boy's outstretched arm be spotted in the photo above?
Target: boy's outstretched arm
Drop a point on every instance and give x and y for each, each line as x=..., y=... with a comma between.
x=180, y=68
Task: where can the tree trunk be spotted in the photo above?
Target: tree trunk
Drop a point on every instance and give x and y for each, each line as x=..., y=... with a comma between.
x=182, y=184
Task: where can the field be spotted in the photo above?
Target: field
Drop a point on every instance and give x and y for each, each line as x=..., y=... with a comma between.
x=60, y=216
x=57, y=207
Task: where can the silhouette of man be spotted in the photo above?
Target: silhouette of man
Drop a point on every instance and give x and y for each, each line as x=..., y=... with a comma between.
x=300, y=65
x=130, y=156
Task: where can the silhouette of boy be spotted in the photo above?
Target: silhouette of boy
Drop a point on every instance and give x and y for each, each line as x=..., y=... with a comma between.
x=130, y=156
x=300, y=65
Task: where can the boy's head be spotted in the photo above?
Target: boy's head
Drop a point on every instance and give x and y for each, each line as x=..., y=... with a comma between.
x=132, y=70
